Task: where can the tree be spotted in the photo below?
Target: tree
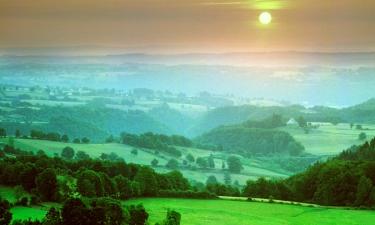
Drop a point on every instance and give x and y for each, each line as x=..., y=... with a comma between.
x=75, y=212
x=18, y=133
x=358, y=127
x=3, y=133
x=202, y=162
x=65, y=138
x=154, y=163
x=53, y=217
x=85, y=140
x=211, y=162
x=124, y=187
x=46, y=183
x=27, y=176
x=81, y=155
x=134, y=151
x=234, y=164
x=172, y=164
x=364, y=189
x=67, y=153
x=173, y=218
x=138, y=215
x=77, y=141
x=362, y=136
x=301, y=122
x=110, y=139
x=227, y=179
x=190, y=158
x=5, y=214
x=147, y=180
x=90, y=184
x=211, y=180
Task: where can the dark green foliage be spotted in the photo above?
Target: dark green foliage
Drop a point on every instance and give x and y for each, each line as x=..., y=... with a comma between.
x=274, y=121
x=173, y=218
x=27, y=176
x=211, y=162
x=81, y=155
x=65, y=138
x=85, y=140
x=3, y=132
x=362, y=136
x=202, y=162
x=53, y=217
x=17, y=133
x=186, y=194
x=223, y=190
x=138, y=215
x=263, y=188
x=146, y=177
x=157, y=141
x=77, y=141
x=154, y=163
x=301, y=122
x=5, y=214
x=134, y=151
x=46, y=183
x=52, y=136
x=364, y=190
x=211, y=180
x=346, y=180
x=124, y=187
x=67, y=153
x=75, y=212
x=234, y=164
x=251, y=141
x=190, y=158
x=89, y=184
x=172, y=164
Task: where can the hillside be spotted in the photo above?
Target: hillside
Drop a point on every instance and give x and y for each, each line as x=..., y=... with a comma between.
x=253, y=168
x=252, y=141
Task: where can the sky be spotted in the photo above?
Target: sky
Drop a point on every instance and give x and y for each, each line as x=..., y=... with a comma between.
x=183, y=26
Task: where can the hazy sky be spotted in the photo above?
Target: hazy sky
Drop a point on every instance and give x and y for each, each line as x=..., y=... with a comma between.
x=190, y=25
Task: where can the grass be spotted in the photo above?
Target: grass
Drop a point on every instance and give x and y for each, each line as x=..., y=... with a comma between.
x=8, y=194
x=227, y=212
x=252, y=168
x=25, y=213
x=330, y=139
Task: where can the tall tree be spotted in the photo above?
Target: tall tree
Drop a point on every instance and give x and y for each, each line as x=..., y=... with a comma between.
x=46, y=183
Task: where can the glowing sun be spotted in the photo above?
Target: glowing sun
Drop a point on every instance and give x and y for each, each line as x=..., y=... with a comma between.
x=265, y=18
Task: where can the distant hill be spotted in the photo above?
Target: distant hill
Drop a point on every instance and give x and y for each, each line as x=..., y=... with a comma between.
x=247, y=141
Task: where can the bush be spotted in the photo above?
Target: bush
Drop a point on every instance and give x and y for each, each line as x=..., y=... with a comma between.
x=186, y=194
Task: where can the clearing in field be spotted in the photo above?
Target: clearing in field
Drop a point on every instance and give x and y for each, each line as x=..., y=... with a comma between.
x=227, y=212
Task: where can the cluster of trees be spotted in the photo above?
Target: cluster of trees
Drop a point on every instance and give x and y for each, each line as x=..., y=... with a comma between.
x=53, y=136
x=53, y=179
x=158, y=142
x=347, y=180
x=276, y=120
x=96, y=211
x=252, y=141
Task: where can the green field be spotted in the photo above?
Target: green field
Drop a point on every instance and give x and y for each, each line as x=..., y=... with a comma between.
x=25, y=213
x=226, y=212
x=252, y=168
x=330, y=139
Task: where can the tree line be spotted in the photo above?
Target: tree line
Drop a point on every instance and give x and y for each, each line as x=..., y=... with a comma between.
x=345, y=180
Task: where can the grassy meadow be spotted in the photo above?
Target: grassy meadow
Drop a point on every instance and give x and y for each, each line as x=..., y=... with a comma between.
x=252, y=168
x=223, y=212
x=330, y=139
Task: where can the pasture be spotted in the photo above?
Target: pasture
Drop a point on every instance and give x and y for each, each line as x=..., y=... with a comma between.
x=330, y=139
x=252, y=168
x=229, y=212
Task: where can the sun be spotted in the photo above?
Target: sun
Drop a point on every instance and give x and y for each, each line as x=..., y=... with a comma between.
x=265, y=18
